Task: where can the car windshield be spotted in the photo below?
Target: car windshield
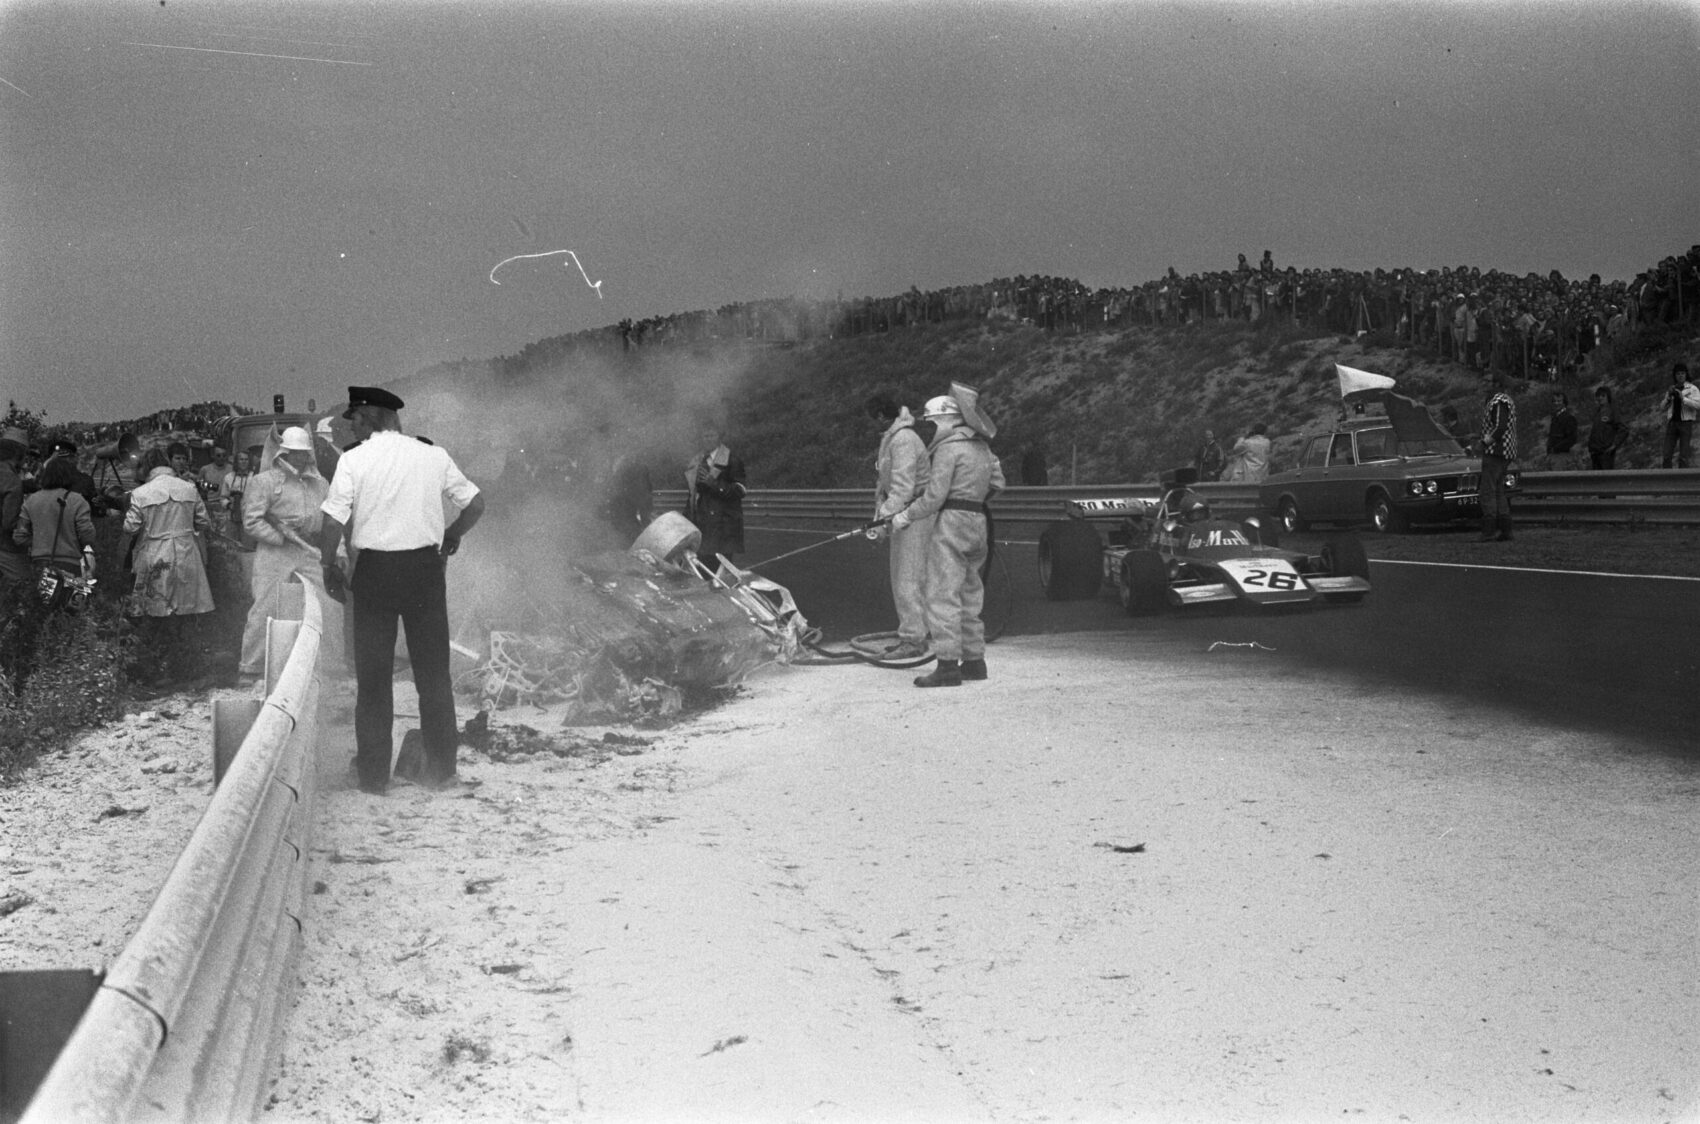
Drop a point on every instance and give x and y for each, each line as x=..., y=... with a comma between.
x=1383, y=444
x=1432, y=447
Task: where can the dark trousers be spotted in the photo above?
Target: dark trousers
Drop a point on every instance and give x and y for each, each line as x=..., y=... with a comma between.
x=1496, y=501
x=1679, y=439
x=406, y=586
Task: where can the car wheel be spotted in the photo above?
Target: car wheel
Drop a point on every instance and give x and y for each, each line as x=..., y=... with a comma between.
x=1384, y=517
x=1343, y=557
x=1144, y=581
x=1288, y=516
x=1071, y=560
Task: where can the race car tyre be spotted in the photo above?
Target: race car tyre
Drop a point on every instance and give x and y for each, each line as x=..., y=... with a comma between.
x=667, y=535
x=1343, y=556
x=1144, y=581
x=1266, y=533
x=1384, y=517
x=1289, y=518
x=1070, y=560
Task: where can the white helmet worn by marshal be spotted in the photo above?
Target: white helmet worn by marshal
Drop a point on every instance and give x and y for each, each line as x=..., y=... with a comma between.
x=940, y=406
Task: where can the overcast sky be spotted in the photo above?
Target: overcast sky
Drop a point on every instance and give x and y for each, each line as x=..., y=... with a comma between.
x=204, y=199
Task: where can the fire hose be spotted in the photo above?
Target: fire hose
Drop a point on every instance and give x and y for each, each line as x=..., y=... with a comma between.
x=869, y=648
x=867, y=529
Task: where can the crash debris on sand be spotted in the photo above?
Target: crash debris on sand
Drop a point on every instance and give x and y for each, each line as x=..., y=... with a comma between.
x=639, y=638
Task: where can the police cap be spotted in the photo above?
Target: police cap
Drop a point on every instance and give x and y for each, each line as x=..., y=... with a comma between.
x=370, y=396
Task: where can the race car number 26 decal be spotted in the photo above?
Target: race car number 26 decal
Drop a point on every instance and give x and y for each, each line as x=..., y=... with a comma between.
x=1271, y=579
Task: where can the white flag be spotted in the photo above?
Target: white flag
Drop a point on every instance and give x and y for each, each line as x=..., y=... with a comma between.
x=1353, y=380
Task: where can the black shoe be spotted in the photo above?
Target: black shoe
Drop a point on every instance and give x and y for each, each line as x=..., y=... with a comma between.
x=973, y=669
x=947, y=674
x=1504, y=529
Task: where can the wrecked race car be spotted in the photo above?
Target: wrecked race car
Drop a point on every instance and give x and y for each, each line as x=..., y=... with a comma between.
x=639, y=634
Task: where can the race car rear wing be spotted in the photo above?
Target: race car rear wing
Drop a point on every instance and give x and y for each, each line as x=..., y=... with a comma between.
x=1121, y=507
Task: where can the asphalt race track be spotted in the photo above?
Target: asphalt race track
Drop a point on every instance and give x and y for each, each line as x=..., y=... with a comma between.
x=1614, y=653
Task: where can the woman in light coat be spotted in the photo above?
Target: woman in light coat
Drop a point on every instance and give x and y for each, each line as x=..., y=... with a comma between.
x=166, y=522
x=1249, y=461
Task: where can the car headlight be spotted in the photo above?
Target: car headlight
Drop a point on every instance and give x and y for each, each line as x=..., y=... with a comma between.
x=1510, y=479
x=1430, y=487
x=1415, y=487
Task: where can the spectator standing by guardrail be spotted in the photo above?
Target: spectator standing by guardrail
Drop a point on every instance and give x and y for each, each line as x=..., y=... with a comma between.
x=1209, y=460
x=1561, y=427
x=1605, y=435
x=1682, y=406
x=1248, y=463
x=1499, y=449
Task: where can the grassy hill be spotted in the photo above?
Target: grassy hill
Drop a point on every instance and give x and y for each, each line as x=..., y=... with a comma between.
x=1105, y=406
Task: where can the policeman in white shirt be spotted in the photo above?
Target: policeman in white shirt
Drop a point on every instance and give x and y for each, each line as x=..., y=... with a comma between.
x=388, y=495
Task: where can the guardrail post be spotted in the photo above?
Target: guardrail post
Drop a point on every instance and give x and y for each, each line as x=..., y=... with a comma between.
x=232, y=719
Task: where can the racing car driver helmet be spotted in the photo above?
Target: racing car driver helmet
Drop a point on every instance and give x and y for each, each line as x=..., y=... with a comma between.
x=1192, y=508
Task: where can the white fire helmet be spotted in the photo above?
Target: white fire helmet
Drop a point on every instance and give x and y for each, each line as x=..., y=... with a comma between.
x=941, y=406
x=296, y=438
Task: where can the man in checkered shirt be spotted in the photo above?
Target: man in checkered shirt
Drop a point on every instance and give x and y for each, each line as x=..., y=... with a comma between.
x=1499, y=449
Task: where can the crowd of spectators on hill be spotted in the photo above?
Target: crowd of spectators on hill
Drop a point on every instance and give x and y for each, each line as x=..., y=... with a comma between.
x=1528, y=325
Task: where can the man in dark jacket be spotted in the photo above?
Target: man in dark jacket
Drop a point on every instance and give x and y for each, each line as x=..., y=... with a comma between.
x=1561, y=430
x=714, y=498
x=1210, y=459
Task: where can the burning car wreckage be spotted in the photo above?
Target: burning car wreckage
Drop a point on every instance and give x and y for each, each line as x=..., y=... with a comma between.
x=639, y=633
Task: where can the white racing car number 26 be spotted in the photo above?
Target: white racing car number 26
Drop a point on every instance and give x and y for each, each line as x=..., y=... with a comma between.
x=1274, y=574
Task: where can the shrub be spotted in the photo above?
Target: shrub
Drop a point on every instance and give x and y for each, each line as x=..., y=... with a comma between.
x=59, y=673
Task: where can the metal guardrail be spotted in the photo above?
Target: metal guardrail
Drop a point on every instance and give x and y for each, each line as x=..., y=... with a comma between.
x=187, y=1023
x=1633, y=496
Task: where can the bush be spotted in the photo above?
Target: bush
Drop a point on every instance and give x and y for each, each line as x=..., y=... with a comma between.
x=59, y=673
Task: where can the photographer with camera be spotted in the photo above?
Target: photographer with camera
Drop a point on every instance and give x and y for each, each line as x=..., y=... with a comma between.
x=1682, y=406
x=117, y=473
x=231, y=490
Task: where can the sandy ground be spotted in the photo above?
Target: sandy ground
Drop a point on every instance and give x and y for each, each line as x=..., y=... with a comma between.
x=87, y=838
x=1079, y=891
x=1113, y=883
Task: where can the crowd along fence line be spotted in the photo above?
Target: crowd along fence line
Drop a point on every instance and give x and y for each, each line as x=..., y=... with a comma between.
x=187, y=1023
x=1664, y=497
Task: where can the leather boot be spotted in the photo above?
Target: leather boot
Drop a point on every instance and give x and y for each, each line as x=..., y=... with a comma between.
x=947, y=674
x=973, y=669
x=1504, y=528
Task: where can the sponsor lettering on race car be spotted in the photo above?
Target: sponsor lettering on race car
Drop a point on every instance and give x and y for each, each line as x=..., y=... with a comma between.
x=1173, y=552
